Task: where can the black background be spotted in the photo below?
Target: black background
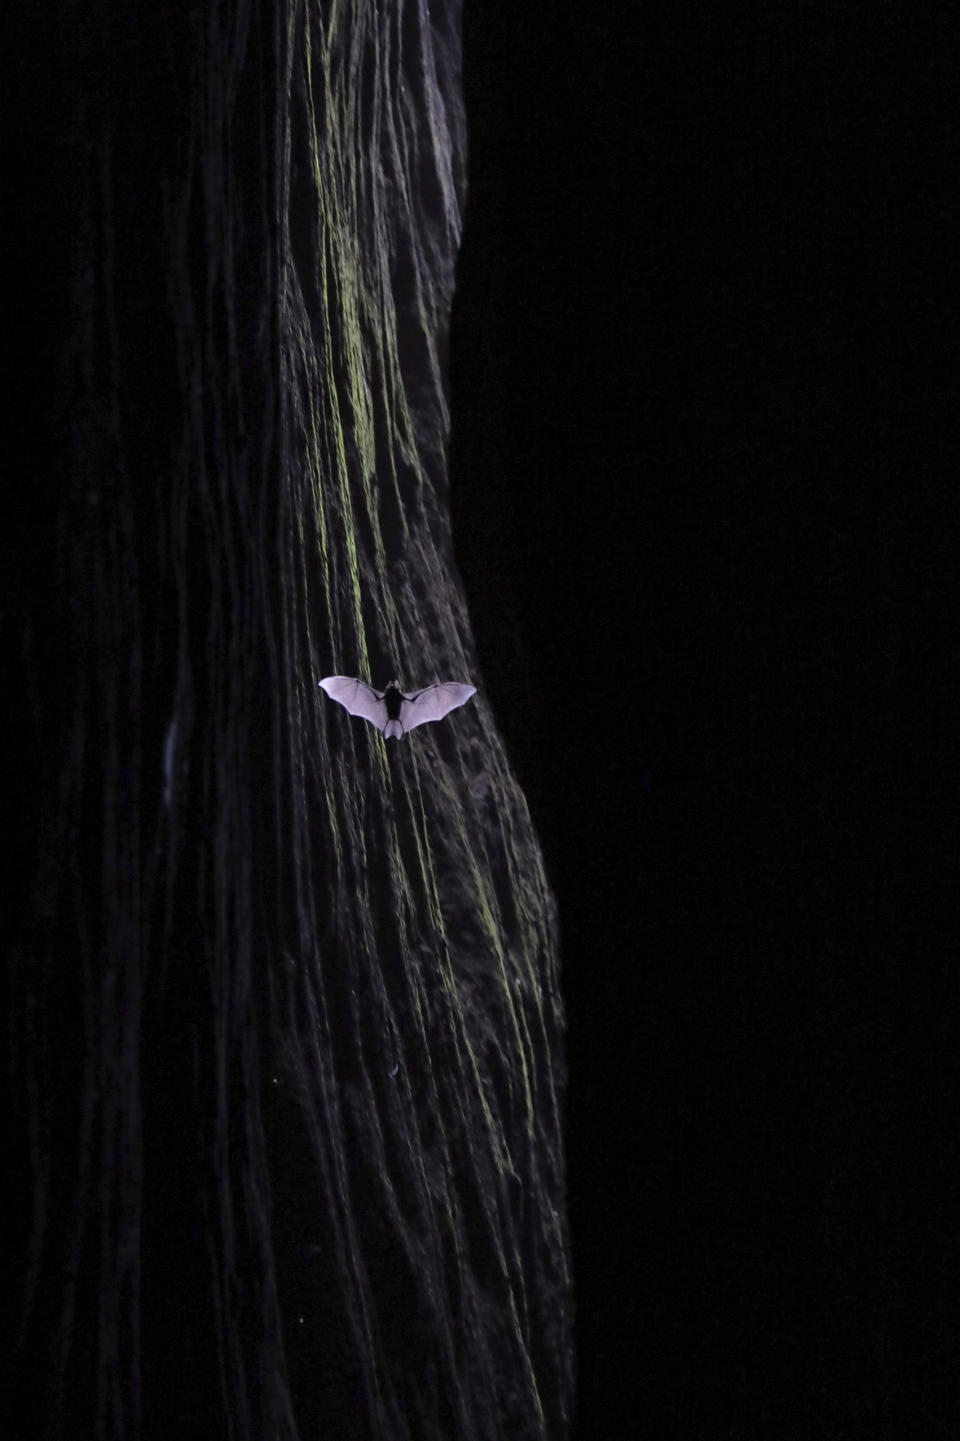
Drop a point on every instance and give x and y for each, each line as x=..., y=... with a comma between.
x=704, y=501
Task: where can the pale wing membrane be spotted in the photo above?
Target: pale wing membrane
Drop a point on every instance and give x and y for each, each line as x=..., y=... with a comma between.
x=357, y=697
x=433, y=703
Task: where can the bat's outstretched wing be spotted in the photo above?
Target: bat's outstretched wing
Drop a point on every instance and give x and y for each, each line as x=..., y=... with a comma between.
x=357, y=697
x=433, y=703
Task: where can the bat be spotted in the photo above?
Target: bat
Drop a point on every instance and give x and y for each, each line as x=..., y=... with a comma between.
x=393, y=711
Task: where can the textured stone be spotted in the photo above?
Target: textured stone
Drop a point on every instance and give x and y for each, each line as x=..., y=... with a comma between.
x=284, y=1006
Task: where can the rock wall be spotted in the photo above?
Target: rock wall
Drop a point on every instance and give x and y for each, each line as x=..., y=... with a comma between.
x=285, y=1030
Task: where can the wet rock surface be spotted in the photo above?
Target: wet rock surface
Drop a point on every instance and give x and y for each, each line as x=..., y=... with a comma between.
x=284, y=1019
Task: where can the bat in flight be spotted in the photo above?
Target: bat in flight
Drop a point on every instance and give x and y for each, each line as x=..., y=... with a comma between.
x=393, y=711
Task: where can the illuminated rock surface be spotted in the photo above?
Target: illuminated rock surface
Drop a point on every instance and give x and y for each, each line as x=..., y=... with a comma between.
x=284, y=1009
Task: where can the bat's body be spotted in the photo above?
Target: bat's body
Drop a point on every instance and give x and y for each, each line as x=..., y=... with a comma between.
x=393, y=711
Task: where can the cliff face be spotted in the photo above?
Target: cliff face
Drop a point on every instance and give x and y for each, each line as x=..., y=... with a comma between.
x=285, y=1030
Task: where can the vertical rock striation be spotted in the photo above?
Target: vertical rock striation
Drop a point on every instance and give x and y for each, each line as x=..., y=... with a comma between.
x=283, y=1015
